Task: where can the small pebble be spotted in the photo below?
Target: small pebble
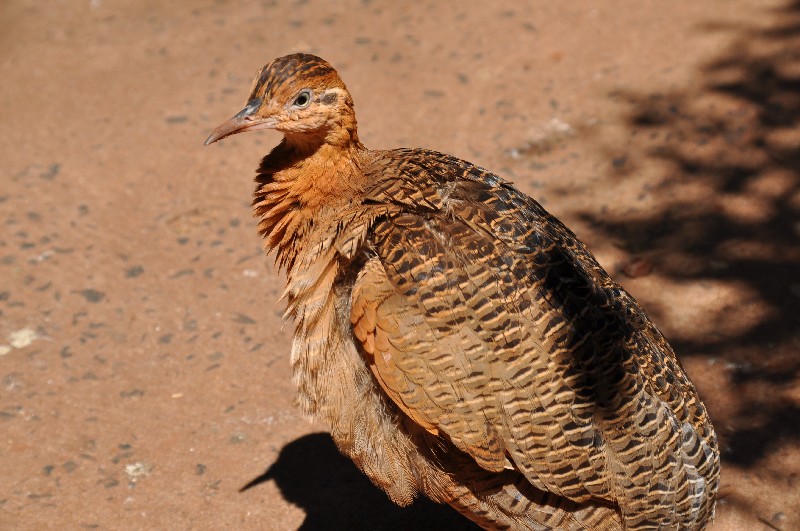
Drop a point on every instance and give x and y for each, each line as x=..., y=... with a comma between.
x=138, y=470
x=22, y=338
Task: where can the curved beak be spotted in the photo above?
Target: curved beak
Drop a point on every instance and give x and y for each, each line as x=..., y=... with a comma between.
x=245, y=120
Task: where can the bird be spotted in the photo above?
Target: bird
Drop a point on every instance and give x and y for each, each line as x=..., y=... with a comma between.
x=458, y=340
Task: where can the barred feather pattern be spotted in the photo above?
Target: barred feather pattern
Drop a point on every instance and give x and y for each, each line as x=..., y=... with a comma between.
x=462, y=342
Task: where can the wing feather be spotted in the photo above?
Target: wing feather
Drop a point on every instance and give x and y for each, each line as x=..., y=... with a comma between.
x=488, y=322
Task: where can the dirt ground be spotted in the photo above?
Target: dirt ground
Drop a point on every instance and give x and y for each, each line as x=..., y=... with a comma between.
x=144, y=373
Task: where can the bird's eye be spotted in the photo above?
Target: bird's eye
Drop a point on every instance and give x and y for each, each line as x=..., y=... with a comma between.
x=303, y=99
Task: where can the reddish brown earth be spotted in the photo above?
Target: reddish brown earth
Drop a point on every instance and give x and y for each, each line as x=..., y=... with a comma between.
x=144, y=375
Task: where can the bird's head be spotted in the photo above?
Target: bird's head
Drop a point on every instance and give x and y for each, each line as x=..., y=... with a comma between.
x=301, y=96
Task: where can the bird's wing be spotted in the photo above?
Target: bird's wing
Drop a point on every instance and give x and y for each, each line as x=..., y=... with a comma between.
x=486, y=321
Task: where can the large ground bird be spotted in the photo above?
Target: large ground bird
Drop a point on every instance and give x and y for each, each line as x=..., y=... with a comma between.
x=459, y=340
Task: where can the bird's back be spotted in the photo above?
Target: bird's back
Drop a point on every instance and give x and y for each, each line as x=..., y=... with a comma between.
x=506, y=335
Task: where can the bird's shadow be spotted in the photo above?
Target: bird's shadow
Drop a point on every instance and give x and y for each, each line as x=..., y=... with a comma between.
x=312, y=474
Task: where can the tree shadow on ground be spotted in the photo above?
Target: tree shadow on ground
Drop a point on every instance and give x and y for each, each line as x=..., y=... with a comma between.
x=312, y=474
x=734, y=141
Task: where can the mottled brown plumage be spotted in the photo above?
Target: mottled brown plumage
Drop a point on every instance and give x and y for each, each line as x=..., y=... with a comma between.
x=459, y=340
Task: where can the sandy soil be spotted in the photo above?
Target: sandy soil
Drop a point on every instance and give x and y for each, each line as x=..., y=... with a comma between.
x=143, y=362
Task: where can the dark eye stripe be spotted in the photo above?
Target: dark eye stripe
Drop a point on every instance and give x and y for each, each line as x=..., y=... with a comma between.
x=330, y=98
